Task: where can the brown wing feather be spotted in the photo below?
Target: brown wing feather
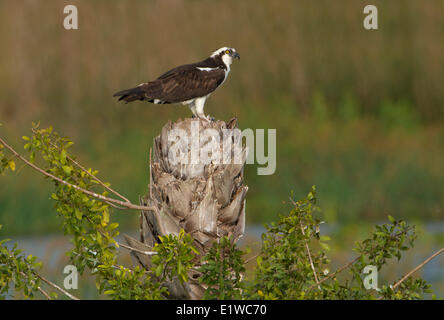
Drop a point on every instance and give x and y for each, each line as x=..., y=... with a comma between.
x=183, y=84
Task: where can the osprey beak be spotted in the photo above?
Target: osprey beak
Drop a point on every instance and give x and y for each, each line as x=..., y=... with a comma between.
x=235, y=55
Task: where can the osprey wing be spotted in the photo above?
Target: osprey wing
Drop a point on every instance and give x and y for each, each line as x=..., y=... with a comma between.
x=177, y=85
x=184, y=83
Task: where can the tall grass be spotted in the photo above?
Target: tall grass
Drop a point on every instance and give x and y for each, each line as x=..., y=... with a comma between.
x=288, y=48
x=359, y=113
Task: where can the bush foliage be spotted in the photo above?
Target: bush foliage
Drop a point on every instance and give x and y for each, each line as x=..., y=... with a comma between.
x=292, y=264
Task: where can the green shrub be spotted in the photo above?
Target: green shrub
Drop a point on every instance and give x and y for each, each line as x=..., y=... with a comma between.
x=292, y=263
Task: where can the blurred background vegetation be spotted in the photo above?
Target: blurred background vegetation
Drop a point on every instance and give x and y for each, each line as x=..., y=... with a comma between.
x=358, y=113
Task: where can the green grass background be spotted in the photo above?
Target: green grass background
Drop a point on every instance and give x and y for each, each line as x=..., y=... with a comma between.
x=358, y=113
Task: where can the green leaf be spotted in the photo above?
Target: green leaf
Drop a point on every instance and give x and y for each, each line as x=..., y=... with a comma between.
x=11, y=164
x=159, y=270
x=324, y=246
x=324, y=238
x=67, y=169
x=109, y=292
x=78, y=214
x=63, y=158
x=105, y=214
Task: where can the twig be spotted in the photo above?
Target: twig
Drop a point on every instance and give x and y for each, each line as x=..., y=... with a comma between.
x=89, y=173
x=418, y=267
x=308, y=250
x=38, y=288
x=44, y=293
x=309, y=258
x=98, y=180
x=147, y=253
x=66, y=293
x=349, y=264
x=116, y=207
x=128, y=205
x=50, y=284
x=346, y=266
x=47, y=282
x=251, y=258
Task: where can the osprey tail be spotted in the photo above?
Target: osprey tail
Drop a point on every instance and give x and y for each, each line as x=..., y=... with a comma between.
x=132, y=94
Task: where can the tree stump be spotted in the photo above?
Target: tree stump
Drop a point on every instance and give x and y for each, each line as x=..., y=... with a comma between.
x=205, y=198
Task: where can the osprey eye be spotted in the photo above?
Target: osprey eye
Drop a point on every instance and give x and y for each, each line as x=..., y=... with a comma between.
x=228, y=51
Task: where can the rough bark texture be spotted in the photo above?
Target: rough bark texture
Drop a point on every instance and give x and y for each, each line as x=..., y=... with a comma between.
x=206, y=200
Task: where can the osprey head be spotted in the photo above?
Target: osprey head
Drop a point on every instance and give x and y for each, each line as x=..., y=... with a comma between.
x=226, y=54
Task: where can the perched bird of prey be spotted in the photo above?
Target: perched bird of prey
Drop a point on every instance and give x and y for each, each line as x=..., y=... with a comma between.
x=189, y=84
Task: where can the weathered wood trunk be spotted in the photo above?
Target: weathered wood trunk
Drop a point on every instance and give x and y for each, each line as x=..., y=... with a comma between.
x=205, y=198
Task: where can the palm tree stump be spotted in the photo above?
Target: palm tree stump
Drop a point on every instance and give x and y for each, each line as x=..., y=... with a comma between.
x=207, y=200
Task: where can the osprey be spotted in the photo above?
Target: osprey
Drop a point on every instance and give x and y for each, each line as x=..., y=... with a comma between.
x=189, y=84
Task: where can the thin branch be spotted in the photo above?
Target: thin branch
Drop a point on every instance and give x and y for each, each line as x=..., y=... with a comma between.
x=38, y=288
x=349, y=264
x=115, y=206
x=309, y=258
x=66, y=293
x=418, y=267
x=98, y=180
x=44, y=293
x=308, y=251
x=251, y=258
x=128, y=205
x=344, y=267
x=89, y=173
x=50, y=284
x=147, y=253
